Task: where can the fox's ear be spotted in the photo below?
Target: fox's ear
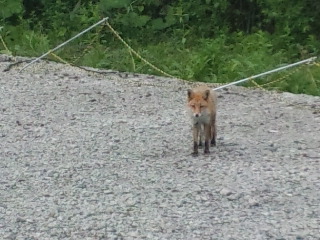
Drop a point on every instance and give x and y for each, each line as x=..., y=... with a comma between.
x=190, y=93
x=206, y=94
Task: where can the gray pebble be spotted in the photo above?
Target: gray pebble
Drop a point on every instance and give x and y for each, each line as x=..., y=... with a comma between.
x=92, y=156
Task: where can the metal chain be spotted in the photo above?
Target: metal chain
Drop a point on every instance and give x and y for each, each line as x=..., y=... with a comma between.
x=136, y=53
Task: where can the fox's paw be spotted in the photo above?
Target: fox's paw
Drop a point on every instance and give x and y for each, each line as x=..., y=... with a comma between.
x=195, y=154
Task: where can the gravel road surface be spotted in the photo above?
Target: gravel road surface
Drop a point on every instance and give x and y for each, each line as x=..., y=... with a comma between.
x=99, y=156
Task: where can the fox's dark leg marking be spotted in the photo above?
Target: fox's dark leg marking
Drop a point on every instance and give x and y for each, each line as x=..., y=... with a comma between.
x=200, y=136
x=207, y=132
x=214, y=131
x=206, y=147
x=195, y=148
x=213, y=141
x=200, y=142
x=196, y=131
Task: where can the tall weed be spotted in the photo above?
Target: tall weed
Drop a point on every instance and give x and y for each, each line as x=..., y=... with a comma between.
x=30, y=43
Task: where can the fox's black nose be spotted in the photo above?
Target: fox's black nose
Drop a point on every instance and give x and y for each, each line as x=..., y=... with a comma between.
x=197, y=115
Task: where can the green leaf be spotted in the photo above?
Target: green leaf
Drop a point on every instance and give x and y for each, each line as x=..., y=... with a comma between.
x=140, y=8
x=7, y=52
x=10, y=7
x=107, y=4
x=158, y=24
x=134, y=20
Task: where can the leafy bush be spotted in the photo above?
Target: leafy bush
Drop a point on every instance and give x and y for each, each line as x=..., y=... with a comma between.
x=210, y=41
x=10, y=9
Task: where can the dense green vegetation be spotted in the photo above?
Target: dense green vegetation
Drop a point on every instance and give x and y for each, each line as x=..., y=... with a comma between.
x=205, y=40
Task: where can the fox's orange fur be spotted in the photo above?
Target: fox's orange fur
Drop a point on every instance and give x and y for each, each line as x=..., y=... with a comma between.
x=202, y=104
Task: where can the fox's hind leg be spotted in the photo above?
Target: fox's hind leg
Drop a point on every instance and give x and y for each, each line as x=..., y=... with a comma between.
x=213, y=131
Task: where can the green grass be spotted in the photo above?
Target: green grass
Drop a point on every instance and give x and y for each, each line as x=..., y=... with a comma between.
x=222, y=59
x=212, y=60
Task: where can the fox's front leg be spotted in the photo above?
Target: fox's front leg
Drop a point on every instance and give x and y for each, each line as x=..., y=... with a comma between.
x=196, y=132
x=201, y=137
x=207, y=132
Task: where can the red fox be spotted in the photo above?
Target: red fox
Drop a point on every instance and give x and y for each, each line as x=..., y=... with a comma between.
x=202, y=104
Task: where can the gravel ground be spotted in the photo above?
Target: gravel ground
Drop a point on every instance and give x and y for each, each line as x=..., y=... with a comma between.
x=92, y=156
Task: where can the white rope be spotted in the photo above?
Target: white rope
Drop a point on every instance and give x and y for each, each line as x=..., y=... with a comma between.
x=266, y=73
x=66, y=42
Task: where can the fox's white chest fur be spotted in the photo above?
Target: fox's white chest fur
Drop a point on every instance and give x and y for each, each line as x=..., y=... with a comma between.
x=202, y=118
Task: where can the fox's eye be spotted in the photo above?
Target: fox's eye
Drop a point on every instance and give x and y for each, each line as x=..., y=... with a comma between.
x=193, y=106
x=201, y=106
